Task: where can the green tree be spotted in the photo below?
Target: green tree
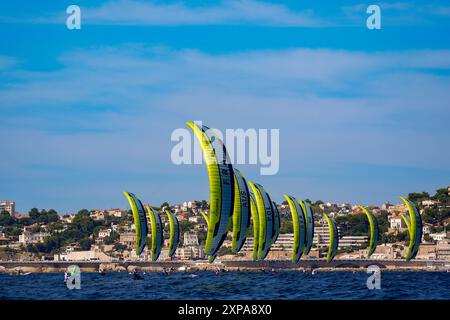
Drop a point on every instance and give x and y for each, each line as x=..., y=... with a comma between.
x=442, y=196
x=34, y=214
x=286, y=226
x=165, y=204
x=83, y=213
x=418, y=196
x=185, y=226
x=86, y=243
x=119, y=247
x=6, y=219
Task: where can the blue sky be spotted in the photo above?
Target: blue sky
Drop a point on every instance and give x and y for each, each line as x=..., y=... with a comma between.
x=87, y=114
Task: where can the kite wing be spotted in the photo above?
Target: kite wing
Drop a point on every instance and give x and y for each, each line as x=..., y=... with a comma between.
x=373, y=231
x=241, y=212
x=334, y=239
x=174, y=227
x=157, y=236
x=414, y=224
x=140, y=221
x=221, y=186
x=309, y=223
x=298, y=223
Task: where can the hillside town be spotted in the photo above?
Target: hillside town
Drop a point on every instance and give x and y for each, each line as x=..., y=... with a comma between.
x=108, y=235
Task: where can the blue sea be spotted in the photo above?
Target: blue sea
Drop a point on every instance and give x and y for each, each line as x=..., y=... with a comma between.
x=340, y=285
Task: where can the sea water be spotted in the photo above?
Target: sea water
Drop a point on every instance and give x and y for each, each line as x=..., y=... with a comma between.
x=340, y=285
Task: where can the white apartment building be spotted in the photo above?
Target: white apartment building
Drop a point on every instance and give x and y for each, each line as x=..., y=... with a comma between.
x=352, y=241
x=438, y=236
x=397, y=222
x=103, y=233
x=443, y=250
x=190, y=239
x=9, y=206
x=190, y=253
x=29, y=237
x=285, y=242
x=116, y=212
x=322, y=236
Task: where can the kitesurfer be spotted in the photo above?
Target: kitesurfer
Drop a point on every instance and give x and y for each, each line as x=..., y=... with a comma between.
x=136, y=275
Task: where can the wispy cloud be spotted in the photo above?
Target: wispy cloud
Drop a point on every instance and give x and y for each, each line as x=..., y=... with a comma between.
x=148, y=13
x=236, y=12
x=6, y=62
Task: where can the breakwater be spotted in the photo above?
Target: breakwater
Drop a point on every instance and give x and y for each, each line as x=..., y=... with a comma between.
x=199, y=265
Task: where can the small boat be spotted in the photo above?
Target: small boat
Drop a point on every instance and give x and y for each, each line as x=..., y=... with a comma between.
x=25, y=274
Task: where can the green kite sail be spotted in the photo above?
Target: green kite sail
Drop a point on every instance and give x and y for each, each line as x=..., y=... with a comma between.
x=299, y=225
x=265, y=219
x=334, y=238
x=373, y=231
x=241, y=212
x=309, y=224
x=414, y=225
x=221, y=187
x=140, y=221
x=174, y=228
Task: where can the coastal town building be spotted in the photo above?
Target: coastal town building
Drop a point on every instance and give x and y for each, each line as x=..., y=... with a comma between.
x=190, y=253
x=438, y=236
x=127, y=239
x=397, y=209
x=322, y=236
x=352, y=241
x=68, y=218
x=382, y=252
x=103, y=233
x=190, y=239
x=427, y=251
x=248, y=245
x=397, y=223
x=29, y=237
x=98, y=214
x=285, y=242
x=426, y=229
x=430, y=203
x=8, y=206
x=117, y=212
x=91, y=255
x=443, y=250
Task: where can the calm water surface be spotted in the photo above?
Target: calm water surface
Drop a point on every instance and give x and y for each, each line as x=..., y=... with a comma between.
x=230, y=285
